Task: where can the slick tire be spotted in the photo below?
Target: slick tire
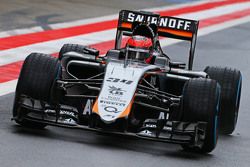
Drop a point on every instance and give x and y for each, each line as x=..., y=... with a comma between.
x=201, y=100
x=230, y=81
x=36, y=80
x=71, y=47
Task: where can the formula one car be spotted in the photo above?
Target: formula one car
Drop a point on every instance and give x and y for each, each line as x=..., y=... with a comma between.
x=135, y=89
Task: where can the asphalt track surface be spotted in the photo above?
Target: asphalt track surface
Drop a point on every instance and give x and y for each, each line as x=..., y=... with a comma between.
x=65, y=147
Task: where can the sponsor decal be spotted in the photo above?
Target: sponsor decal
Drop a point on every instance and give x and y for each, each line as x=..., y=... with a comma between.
x=115, y=80
x=163, y=115
x=111, y=109
x=114, y=98
x=112, y=103
x=88, y=107
x=132, y=17
x=151, y=126
x=109, y=116
x=115, y=90
x=62, y=112
x=164, y=22
x=174, y=23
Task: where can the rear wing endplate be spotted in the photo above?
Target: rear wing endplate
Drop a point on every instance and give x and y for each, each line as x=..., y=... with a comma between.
x=166, y=26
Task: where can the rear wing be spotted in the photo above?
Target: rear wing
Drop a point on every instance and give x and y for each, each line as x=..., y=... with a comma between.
x=165, y=26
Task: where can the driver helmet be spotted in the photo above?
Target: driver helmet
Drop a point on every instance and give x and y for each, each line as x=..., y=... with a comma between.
x=139, y=48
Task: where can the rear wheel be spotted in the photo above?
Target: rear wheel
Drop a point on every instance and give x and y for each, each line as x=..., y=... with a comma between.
x=71, y=47
x=230, y=81
x=201, y=103
x=36, y=80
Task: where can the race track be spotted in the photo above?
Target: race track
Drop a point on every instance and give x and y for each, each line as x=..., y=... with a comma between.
x=224, y=40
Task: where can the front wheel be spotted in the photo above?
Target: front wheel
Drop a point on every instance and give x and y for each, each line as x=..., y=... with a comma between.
x=201, y=100
x=36, y=80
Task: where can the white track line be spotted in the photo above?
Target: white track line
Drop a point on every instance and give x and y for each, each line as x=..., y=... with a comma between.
x=94, y=20
x=20, y=53
x=9, y=87
x=20, y=31
x=222, y=10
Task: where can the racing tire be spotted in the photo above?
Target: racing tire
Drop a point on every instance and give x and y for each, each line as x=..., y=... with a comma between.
x=201, y=100
x=71, y=47
x=230, y=81
x=36, y=80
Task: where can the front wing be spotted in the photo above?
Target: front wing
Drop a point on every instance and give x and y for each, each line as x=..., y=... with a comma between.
x=159, y=130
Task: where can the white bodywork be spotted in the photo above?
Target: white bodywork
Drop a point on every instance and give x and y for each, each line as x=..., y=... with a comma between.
x=118, y=88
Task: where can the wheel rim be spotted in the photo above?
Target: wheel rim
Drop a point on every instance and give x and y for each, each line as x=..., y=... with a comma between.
x=237, y=100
